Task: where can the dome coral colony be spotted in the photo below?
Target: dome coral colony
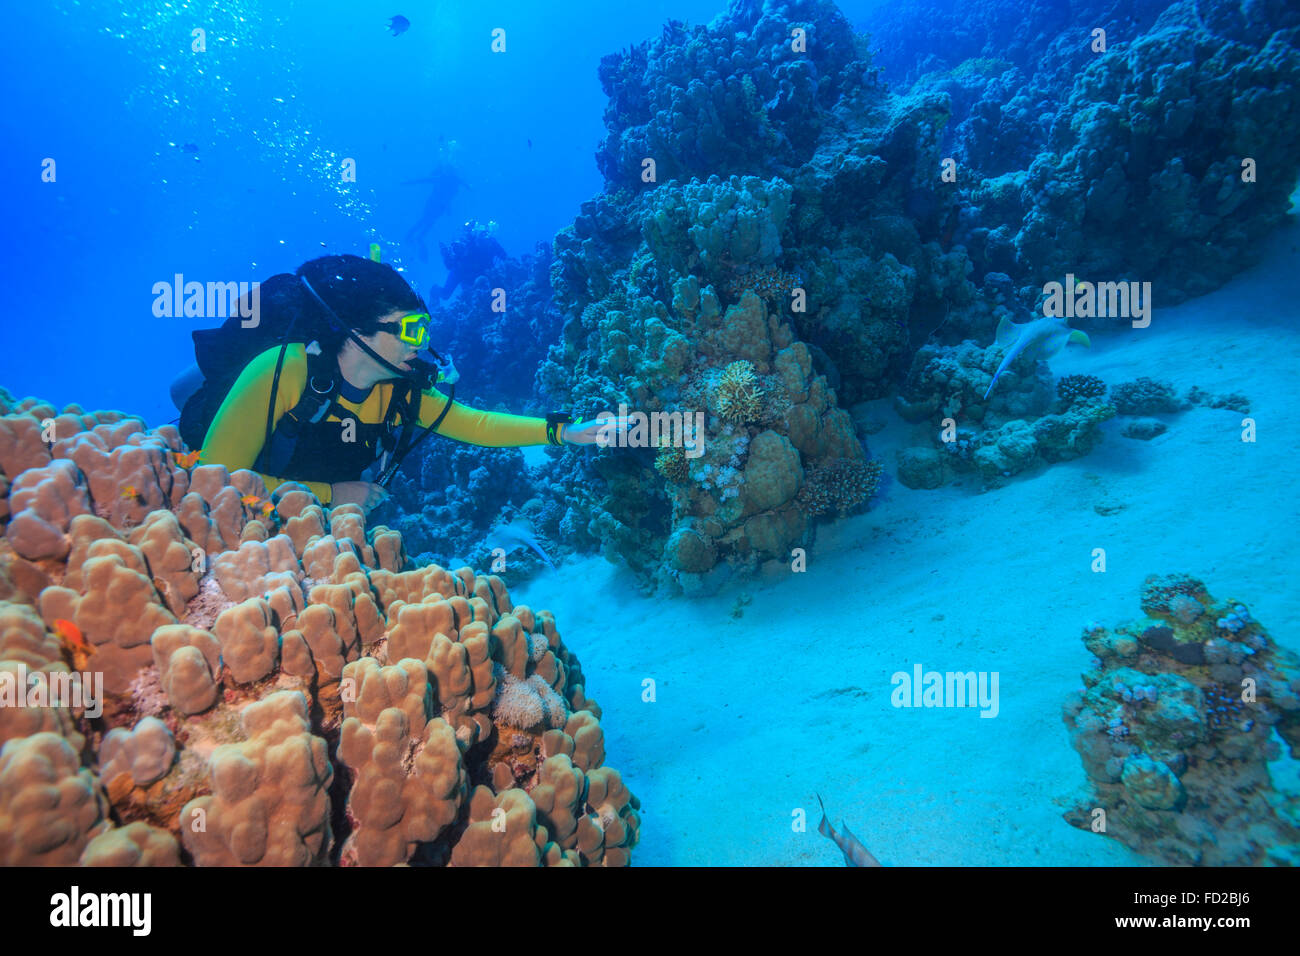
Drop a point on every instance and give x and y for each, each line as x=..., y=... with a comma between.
x=278, y=689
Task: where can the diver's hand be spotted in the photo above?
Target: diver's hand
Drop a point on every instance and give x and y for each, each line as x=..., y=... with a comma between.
x=587, y=433
x=367, y=494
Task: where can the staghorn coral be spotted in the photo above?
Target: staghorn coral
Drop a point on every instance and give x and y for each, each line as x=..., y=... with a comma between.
x=738, y=396
x=331, y=706
x=1175, y=729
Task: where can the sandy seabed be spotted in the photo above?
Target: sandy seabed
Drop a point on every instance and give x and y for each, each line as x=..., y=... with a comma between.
x=754, y=715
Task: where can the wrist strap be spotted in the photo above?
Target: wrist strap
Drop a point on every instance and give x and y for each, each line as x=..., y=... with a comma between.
x=555, y=421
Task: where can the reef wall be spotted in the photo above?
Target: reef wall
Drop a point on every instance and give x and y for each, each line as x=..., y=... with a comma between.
x=782, y=210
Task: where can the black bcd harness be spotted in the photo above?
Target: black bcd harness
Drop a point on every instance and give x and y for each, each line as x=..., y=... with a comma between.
x=306, y=442
x=302, y=443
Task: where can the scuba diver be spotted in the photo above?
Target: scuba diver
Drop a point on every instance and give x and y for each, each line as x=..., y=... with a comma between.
x=468, y=257
x=328, y=390
x=446, y=182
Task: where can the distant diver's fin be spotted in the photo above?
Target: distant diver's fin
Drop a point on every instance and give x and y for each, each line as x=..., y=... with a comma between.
x=1007, y=333
x=374, y=252
x=1080, y=338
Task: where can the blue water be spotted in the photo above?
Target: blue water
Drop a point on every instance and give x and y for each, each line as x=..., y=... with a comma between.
x=283, y=94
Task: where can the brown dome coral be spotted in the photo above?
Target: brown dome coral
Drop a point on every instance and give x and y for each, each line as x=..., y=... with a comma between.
x=279, y=689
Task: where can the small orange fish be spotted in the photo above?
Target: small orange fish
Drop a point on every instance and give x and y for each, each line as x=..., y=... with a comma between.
x=68, y=630
x=72, y=638
x=132, y=492
x=267, y=508
x=189, y=459
x=250, y=500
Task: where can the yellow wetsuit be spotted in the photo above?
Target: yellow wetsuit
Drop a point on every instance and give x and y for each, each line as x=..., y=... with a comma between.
x=237, y=432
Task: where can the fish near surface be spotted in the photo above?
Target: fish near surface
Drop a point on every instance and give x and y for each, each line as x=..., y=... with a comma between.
x=855, y=854
x=1040, y=338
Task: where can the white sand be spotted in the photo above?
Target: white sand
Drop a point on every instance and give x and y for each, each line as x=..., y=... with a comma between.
x=753, y=715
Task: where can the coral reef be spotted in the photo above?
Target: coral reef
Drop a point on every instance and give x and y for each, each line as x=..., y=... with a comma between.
x=697, y=100
x=1145, y=396
x=815, y=242
x=741, y=394
x=497, y=340
x=451, y=495
x=277, y=689
x=1149, y=143
x=1070, y=388
x=1064, y=146
x=1180, y=715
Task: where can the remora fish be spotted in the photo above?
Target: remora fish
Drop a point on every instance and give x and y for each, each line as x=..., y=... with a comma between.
x=855, y=854
x=517, y=534
x=1041, y=338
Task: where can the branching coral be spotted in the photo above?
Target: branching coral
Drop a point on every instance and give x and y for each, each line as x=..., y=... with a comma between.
x=738, y=395
x=840, y=485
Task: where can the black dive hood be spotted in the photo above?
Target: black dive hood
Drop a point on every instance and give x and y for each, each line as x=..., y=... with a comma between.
x=418, y=368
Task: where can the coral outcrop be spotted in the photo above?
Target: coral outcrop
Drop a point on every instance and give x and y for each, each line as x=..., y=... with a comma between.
x=746, y=408
x=1180, y=715
x=1014, y=428
x=279, y=689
